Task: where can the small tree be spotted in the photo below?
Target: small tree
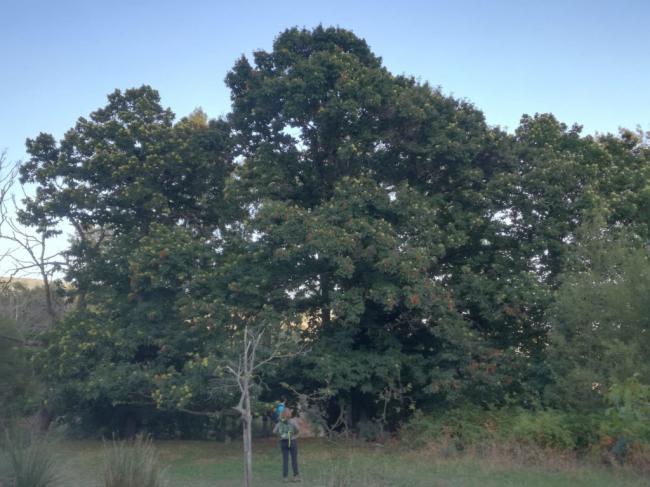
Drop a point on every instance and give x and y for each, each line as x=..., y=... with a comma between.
x=601, y=318
x=258, y=341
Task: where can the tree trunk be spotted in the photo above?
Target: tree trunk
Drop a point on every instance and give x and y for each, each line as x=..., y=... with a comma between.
x=48, y=298
x=248, y=441
x=130, y=426
x=45, y=417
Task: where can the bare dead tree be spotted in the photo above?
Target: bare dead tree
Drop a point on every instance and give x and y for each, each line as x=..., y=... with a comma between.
x=257, y=347
x=26, y=250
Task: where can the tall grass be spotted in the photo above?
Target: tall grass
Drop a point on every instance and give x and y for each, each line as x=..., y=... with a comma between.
x=132, y=464
x=31, y=459
x=347, y=469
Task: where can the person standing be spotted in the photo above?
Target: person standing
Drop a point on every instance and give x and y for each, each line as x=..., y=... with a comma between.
x=288, y=431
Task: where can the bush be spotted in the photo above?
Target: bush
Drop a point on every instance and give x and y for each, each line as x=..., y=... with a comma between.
x=585, y=429
x=464, y=426
x=370, y=430
x=15, y=372
x=132, y=464
x=460, y=428
x=629, y=414
x=620, y=435
x=31, y=460
x=548, y=429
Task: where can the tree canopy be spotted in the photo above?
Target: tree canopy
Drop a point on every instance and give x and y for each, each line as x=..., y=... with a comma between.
x=421, y=255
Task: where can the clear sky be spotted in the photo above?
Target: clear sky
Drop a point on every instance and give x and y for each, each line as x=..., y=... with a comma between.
x=586, y=61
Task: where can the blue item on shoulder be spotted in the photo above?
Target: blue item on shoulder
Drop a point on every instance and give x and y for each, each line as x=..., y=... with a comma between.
x=278, y=410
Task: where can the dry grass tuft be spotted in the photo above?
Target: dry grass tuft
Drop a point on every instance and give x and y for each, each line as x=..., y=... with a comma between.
x=132, y=464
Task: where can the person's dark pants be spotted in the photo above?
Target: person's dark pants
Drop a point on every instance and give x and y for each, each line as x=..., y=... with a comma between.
x=286, y=449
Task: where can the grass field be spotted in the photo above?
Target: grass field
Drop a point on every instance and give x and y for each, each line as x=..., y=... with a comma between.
x=202, y=464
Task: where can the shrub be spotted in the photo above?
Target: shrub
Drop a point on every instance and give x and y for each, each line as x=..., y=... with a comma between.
x=371, y=430
x=629, y=414
x=615, y=434
x=420, y=430
x=584, y=428
x=15, y=372
x=548, y=429
x=132, y=464
x=463, y=426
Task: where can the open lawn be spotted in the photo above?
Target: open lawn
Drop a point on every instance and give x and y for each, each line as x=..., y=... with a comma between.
x=199, y=464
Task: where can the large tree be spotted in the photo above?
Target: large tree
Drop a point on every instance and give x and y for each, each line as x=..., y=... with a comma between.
x=374, y=199
x=601, y=317
x=145, y=196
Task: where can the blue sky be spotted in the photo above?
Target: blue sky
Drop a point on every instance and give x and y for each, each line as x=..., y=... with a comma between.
x=585, y=61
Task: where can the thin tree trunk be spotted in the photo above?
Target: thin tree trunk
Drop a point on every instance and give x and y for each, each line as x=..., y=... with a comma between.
x=45, y=417
x=48, y=298
x=248, y=443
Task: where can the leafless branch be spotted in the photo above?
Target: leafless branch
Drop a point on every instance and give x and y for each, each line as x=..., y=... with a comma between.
x=32, y=243
x=209, y=414
x=313, y=403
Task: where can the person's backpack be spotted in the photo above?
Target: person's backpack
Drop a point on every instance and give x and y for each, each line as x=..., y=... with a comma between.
x=278, y=411
x=286, y=430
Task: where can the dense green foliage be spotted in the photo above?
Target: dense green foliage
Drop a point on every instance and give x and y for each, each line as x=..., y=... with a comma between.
x=14, y=370
x=424, y=258
x=24, y=316
x=601, y=319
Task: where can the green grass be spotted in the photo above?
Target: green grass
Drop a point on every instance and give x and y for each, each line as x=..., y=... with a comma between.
x=202, y=464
